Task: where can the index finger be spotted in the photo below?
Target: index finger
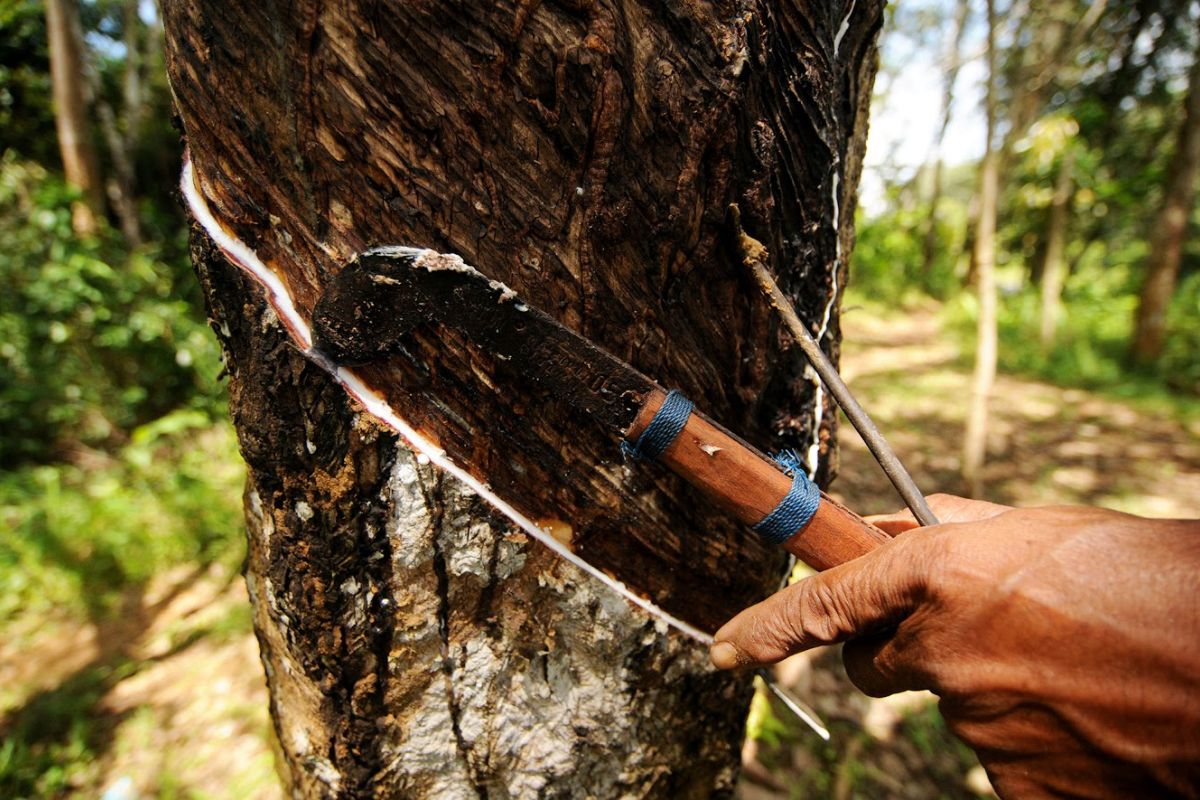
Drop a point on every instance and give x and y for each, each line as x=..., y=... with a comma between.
x=863, y=595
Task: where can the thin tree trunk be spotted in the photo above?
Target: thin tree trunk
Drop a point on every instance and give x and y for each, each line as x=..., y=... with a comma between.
x=949, y=78
x=975, y=439
x=1054, y=264
x=587, y=155
x=122, y=183
x=80, y=165
x=132, y=85
x=1170, y=231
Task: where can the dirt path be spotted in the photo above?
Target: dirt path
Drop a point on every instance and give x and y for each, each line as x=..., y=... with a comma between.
x=1047, y=444
x=170, y=704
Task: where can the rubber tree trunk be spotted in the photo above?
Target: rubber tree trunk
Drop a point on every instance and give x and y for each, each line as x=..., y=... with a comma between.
x=80, y=165
x=1170, y=231
x=587, y=154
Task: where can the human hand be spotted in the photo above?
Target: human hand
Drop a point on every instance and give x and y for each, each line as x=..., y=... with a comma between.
x=1064, y=642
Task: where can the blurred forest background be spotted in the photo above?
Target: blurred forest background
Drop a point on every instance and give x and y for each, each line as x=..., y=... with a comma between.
x=1022, y=317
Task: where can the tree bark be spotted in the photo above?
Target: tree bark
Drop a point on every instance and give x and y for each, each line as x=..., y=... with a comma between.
x=1170, y=231
x=975, y=438
x=80, y=165
x=586, y=154
x=1054, y=263
x=121, y=186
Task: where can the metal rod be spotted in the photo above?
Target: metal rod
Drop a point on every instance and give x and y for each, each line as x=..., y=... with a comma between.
x=870, y=434
x=795, y=705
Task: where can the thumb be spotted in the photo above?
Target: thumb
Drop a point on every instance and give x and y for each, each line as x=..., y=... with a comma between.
x=871, y=592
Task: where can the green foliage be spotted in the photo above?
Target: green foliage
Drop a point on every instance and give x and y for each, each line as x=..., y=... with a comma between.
x=762, y=725
x=1113, y=198
x=889, y=255
x=1180, y=363
x=79, y=542
x=26, y=111
x=50, y=749
x=78, y=536
x=1091, y=349
x=94, y=339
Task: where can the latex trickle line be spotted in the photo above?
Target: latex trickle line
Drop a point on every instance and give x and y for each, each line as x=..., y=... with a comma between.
x=841, y=31
x=814, y=450
x=240, y=254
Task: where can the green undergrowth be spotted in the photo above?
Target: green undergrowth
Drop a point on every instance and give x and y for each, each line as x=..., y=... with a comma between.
x=920, y=757
x=84, y=540
x=97, y=338
x=1091, y=347
x=79, y=534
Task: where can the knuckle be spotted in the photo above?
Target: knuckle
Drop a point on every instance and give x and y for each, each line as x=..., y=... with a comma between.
x=945, y=561
x=819, y=615
x=767, y=638
x=944, y=505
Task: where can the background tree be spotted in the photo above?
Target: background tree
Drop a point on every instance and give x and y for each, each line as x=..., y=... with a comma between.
x=1170, y=229
x=984, y=262
x=953, y=60
x=1045, y=40
x=587, y=155
x=79, y=159
x=1054, y=264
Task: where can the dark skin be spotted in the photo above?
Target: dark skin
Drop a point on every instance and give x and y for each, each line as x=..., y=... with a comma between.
x=1063, y=643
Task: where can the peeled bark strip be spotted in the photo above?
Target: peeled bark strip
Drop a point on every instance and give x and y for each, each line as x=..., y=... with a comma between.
x=586, y=154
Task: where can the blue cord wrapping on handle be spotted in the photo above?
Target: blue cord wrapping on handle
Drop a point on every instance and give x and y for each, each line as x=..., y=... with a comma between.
x=666, y=426
x=796, y=509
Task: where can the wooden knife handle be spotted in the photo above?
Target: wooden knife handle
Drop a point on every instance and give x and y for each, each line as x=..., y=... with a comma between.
x=749, y=485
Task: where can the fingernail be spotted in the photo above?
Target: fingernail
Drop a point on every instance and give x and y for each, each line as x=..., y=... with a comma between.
x=724, y=655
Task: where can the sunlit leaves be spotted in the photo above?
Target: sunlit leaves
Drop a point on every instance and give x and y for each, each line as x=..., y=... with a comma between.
x=97, y=339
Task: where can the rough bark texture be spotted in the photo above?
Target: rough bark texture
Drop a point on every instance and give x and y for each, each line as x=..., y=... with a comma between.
x=585, y=153
x=1170, y=231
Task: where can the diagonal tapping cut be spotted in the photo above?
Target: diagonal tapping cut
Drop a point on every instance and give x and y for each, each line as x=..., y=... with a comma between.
x=299, y=329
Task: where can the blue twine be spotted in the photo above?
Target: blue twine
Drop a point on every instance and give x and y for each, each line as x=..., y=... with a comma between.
x=791, y=462
x=796, y=509
x=670, y=419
